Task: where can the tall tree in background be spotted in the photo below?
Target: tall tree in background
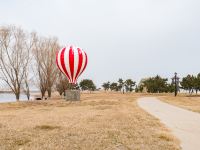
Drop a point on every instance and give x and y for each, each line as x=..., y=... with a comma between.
x=197, y=83
x=141, y=86
x=191, y=83
x=106, y=86
x=121, y=84
x=169, y=88
x=129, y=84
x=87, y=84
x=45, y=57
x=187, y=83
x=155, y=84
x=41, y=79
x=51, y=69
x=114, y=86
x=29, y=77
x=15, y=46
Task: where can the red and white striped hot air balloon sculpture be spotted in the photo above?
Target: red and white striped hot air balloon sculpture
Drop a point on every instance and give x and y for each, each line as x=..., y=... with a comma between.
x=71, y=61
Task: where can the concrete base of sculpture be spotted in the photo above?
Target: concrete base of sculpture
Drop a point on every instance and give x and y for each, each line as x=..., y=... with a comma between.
x=72, y=95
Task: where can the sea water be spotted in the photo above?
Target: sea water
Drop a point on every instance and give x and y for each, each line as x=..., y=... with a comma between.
x=9, y=97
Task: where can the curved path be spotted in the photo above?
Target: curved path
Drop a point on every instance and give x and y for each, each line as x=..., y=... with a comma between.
x=184, y=124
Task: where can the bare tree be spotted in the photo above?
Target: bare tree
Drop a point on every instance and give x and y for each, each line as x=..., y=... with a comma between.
x=45, y=54
x=15, y=46
x=38, y=70
x=62, y=84
x=51, y=68
x=26, y=83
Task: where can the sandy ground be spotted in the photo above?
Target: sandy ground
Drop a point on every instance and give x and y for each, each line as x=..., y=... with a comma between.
x=103, y=121
x=183, y=123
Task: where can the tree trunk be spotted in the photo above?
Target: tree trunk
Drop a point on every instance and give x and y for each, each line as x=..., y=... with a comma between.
x=27, y=91
x=28, y=94
x=43, y=93
x=17, y=95
x=49, y=93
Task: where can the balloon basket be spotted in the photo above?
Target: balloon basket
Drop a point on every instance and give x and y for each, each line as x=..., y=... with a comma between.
x=72, y=95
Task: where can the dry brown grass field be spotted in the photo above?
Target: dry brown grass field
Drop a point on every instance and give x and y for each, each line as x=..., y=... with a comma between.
x=189, y=102
x=106, y=121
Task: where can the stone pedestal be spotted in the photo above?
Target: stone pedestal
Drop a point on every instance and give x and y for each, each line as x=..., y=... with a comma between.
x=72, y=95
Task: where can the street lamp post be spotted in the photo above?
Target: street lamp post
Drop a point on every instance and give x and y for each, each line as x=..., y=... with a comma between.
x=175, y=78
x=175, y=81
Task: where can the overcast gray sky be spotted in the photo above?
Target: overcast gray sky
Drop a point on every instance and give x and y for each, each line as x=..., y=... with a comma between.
x=123, y=38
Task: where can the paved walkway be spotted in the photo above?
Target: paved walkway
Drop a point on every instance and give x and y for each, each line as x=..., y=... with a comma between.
x=184, y=124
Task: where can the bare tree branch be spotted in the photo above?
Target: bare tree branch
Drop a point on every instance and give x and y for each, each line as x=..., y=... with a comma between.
x=15, y=46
